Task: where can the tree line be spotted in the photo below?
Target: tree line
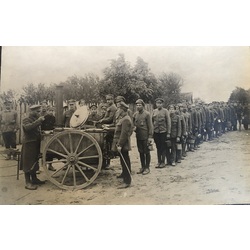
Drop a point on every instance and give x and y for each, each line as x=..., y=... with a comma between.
x=119, y=78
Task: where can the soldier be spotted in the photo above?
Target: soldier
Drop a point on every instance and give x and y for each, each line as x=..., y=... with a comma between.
x=68, y=113
x=108, y=120
x=9, y=127
x=122, y=144
x=180, y=146
x=31, y=147
x=233, y=116
x=47, y=125
x=93, y=116
x=239, y=112
x=162, y=127
x=118, y=100
x=144, y=135
x=246, y=115
x=188, y=120
x=175, y=135
x=210, y=122
x=110, y=112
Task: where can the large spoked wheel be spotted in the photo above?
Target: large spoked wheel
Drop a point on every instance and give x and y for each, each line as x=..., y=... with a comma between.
x=76, y=158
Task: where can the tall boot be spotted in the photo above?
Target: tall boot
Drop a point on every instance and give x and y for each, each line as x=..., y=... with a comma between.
x=143, y=165
x=142, y=159
x=35, y=180
x=28, y=183
x=148, y=159
x=178, y=155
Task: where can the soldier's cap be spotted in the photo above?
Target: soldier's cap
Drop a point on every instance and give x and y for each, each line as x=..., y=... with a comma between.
x=35, y=107
x=93, y=105
x=124, y=106
x=179, y=105
x=71, y=101
x=140, y=101
x=44, y=101
x=109, y=97
x=159, y=100
x=170, y=106
x=120, y=98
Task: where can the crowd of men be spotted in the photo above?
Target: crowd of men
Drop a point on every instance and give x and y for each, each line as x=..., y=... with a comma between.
x=175, y=130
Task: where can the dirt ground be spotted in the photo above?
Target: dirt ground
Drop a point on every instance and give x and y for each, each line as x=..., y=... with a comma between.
x=217, y=173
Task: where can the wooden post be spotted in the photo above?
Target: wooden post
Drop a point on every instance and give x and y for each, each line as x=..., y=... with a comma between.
x=59, y=106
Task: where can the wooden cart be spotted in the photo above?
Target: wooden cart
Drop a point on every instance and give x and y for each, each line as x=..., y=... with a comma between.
x=77, y=156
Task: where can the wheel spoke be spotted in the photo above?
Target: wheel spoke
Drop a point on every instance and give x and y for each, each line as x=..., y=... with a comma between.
x=65, y=149
x=87, y=165
x=74, y=175
x=88, y=157
x=84, y=150
x=55, y=152
x=70, y=143
x=64, y=177
x=60, y=169
x=85, y=177
x=78, y=144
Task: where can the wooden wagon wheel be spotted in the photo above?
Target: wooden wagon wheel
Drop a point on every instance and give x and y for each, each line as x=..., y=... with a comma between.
x=77, y=158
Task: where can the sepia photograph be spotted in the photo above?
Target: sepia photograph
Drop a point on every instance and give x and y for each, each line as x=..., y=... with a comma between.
x=125, y=125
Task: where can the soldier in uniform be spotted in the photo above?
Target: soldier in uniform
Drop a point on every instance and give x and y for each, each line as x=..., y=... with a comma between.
x=162, y=127
x=68, y=113
x=93, y=117
x=144, y=135
x=47, y=125
x=188, y=120
x=9, y=127
x=180, y=145
x=108, y=120
x=175, y=134
x=31, y=147
x=122, y=144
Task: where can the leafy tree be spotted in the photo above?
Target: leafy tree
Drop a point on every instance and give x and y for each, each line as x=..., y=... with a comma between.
x=144, y=77
x=82, y=88
x=132, y=83
x=170, y=87
x=117, y=78
x=240, y=95
x=33, y=94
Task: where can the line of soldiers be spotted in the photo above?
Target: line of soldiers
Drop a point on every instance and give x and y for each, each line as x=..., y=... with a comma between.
x=189, y=126
x=176, y=130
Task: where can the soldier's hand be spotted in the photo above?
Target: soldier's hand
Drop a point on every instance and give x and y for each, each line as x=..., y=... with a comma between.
x=150, y=141
x=177, y=139
x=119, y=148
x=41, y=118
x=168, y=136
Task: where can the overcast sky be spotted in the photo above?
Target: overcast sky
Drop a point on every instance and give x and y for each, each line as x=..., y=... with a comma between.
x=211, y=73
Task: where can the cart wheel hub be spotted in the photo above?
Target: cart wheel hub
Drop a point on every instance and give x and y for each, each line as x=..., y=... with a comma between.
x=72, y=159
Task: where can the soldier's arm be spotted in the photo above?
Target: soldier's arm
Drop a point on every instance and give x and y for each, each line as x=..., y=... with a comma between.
x=168, y=120
x=150, y=126
x=125, y=133
x=28, y=125
x=179, y=131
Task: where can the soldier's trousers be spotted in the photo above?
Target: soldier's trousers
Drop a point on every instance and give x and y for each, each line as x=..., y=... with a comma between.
x=160, y=139
x=9, y=139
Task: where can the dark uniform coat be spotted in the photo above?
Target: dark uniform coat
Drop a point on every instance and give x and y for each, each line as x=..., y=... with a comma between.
x=30, y=144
